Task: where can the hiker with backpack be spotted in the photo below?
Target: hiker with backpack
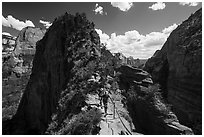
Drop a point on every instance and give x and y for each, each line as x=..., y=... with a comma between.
x=105, y=98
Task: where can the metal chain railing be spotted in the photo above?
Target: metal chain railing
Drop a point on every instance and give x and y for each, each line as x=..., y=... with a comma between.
x=115, y=109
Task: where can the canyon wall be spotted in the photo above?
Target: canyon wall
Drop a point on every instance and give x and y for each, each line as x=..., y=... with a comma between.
x=178, y=68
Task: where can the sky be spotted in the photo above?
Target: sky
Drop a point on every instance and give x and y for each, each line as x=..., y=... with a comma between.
x=135, y=29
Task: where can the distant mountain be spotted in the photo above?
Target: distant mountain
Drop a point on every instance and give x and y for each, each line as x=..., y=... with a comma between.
x=138, y=63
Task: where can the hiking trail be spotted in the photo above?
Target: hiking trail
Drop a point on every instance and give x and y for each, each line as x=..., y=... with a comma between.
x=116, y=122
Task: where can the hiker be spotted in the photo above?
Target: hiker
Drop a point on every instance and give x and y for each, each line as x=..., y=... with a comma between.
x=105, y=97
x=100, y=96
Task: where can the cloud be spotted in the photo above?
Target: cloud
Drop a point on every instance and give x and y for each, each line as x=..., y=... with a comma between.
x=103, y=36
x=134, y=44
x=5, y=22
x=123, y=6
x=12, y=22
x=46, y=24
x=99, y=10
x=158, y=6
x=6, y=33
x=169, y=29
x=189, y=3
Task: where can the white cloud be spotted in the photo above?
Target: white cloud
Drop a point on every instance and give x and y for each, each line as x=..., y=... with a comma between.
x=5, y=22
x=103, y=36
x=12, y=22
x=6, y=33
x=134, y=44
x=123, y=6
x=99, y=10
x=189, y=3
x=46, y=24
x=158, y=6
x=169, y=29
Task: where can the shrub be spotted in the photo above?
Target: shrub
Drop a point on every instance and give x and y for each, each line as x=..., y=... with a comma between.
x=83, y=123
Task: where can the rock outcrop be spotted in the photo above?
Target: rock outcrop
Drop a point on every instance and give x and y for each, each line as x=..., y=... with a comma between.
x=149, y=112
x=178, y=68
x=61, y=62
x=136, y=75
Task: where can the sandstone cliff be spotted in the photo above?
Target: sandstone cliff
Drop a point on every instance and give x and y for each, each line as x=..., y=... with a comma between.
x=178, y=68
x=26, y=40
x=61, y=62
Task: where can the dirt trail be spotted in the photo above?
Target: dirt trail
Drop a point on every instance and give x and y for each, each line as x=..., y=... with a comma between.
x=116, y=122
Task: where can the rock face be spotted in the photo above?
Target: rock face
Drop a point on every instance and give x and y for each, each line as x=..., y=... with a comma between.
x=68, y=44
x=16, y=68
x=178, y=68
x=26, y=41
x=21, y=57
x=149, y=112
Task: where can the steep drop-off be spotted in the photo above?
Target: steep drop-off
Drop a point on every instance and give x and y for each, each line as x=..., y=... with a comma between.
x=60, y=62
x=178, y=68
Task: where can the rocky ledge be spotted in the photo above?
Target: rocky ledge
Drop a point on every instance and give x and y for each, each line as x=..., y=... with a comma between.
x=149, y=111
